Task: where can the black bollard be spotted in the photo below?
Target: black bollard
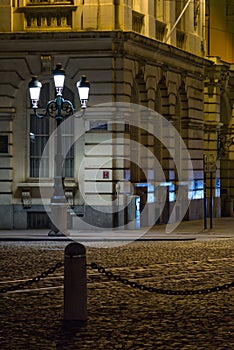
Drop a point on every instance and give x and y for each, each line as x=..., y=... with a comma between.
x=75, y=283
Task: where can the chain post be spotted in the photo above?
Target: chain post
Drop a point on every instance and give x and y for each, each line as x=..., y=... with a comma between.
x=75, y=282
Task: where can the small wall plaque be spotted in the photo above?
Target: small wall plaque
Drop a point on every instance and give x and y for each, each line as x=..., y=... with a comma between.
x=98, y=125
x=106, y=174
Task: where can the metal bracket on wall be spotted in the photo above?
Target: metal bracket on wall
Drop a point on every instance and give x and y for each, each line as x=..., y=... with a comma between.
x=26, y=199
x=225, y=141
x=69, y=194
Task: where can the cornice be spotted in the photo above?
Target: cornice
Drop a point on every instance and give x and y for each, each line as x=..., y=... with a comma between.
x=140, y=42
x=46, y=9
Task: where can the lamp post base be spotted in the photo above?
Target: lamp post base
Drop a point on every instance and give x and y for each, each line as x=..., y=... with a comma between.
x=58, y=220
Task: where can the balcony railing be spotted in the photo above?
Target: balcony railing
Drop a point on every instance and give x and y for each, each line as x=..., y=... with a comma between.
x=48, y=20
x=51, y=2
x=48, y=14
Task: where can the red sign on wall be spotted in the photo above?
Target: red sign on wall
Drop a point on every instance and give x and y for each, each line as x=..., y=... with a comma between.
x=106, y=174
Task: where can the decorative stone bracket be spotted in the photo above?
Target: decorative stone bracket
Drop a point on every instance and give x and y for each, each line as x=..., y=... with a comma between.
x=29, y=190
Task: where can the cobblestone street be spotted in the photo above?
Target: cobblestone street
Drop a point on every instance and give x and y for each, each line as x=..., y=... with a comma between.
x=119, y=316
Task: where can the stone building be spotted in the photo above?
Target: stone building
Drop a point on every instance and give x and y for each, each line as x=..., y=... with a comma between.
x=163, y=55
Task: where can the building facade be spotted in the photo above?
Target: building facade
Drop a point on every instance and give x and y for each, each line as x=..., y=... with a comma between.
x=218, y=97
x=158, y=54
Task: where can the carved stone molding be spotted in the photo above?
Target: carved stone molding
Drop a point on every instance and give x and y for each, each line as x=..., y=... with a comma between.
x=48, y=17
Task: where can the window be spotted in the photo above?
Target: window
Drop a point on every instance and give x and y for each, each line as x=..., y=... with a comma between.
x=3, y=144
x=137, y=21
x=230, y=8
x=159, y=10
x=160, y=30
x=160, y=25
x=180, y=4
x=42, y=129
x=180, y=38
x=67, y=140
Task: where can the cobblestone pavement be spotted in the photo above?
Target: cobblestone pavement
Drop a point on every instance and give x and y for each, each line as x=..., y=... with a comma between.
x=120, y=317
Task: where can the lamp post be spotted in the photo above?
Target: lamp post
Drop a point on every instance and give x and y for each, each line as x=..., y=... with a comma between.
x=58, y=109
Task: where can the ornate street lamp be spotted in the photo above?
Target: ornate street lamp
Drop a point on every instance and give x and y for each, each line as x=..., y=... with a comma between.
x=224, y=141
x=59, y=109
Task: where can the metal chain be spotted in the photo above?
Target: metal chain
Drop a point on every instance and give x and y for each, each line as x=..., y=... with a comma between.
x=35, y=279
x=118, y=278
x=143, y=287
